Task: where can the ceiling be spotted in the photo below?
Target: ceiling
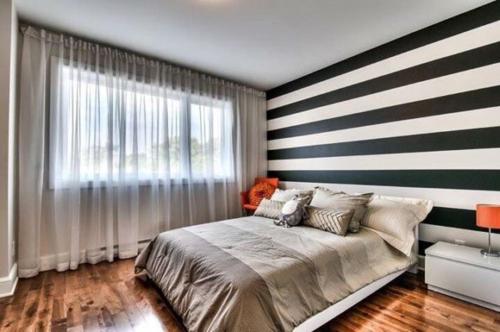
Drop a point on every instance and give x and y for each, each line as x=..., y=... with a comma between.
x=262, y=43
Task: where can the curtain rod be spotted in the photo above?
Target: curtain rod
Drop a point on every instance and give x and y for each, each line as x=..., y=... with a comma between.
x=25, y=23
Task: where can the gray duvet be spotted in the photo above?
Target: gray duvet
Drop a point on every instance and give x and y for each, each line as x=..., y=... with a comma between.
x=247, y=274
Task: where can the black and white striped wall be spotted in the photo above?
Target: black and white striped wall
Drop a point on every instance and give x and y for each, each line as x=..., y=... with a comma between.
x=416, y=117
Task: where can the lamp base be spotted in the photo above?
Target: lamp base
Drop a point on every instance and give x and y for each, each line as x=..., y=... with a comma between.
x=492, y=253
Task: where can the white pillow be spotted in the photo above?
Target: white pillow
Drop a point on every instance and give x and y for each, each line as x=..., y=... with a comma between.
x=394, y=218
x=284, y=195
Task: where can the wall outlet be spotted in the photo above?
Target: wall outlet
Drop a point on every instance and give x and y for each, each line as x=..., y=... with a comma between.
x=459, y=242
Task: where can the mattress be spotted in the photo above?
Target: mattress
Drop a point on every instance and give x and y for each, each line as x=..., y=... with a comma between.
x=248, y=274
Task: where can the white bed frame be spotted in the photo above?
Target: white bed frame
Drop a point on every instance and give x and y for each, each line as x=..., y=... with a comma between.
x=314, y=322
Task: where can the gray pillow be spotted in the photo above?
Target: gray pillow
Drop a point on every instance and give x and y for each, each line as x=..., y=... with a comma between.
x=326, y=198
x=330, y=220
x=269, y=209
x=293, y=211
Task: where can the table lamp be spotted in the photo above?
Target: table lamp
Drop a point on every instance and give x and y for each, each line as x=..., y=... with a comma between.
x=488, y=216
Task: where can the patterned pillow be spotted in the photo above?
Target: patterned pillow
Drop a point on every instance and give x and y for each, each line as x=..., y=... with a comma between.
x=269, y=209
x=325, y=198
x=330, y=220
x=259, y=191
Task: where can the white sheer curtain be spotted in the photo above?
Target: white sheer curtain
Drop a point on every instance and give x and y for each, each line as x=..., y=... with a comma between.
x=115, y=148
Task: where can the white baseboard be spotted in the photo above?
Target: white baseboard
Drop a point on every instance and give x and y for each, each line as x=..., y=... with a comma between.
x=8, y=284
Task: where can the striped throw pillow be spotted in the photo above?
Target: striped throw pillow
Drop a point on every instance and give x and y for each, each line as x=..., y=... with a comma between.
x=330, y=220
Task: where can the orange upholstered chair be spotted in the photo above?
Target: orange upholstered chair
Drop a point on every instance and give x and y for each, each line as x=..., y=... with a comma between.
x=263, y=188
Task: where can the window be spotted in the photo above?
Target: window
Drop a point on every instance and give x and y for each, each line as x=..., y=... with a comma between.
x=106, y=128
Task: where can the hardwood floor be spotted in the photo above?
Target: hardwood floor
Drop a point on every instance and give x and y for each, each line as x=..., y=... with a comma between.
x=109, y=297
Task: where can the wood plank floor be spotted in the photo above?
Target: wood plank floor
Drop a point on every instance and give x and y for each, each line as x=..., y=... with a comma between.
x=109, y=297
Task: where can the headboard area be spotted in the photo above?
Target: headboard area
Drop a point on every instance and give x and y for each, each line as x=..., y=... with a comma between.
x=416, y=117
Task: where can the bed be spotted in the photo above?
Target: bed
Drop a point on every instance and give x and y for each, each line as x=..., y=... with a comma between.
x=247, y=274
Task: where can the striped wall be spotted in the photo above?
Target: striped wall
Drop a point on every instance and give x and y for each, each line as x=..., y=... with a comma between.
x=416, y=117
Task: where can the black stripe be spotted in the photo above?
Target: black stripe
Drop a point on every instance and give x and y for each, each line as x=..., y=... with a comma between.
x=448, y=179
x=481, y=138
x=475, y=58
x=464, y=101
x=422, y=245
x=453, y=26
x=458, y=218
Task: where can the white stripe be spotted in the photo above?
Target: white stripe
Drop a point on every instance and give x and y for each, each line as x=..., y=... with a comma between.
x=460, y=159
x=487, y=117
x=477, y=78
x=484, y=35
x=450, y=198
x=434, y=233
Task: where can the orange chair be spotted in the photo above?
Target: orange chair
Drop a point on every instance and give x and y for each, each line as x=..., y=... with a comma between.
x=245, y=201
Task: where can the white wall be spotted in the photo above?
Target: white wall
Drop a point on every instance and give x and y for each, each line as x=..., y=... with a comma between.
x=8, y=65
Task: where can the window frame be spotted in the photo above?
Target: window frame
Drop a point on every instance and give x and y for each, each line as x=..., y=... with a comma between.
x=186, y=102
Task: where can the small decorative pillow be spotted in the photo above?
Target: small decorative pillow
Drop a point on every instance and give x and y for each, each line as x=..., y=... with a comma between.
x=293, y=211
x=259, y=191
x=269, y=209
x=284, y=195
x=394, y=218
x=330, y=220
x=326, y=198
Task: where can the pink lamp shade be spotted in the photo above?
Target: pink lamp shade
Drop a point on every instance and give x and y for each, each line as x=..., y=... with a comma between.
x=488, y=216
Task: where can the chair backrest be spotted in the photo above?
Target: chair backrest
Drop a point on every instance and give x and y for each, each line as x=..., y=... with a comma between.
x=272, y=181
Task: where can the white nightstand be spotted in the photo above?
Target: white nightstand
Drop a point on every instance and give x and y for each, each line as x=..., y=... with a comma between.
x=462, y=272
